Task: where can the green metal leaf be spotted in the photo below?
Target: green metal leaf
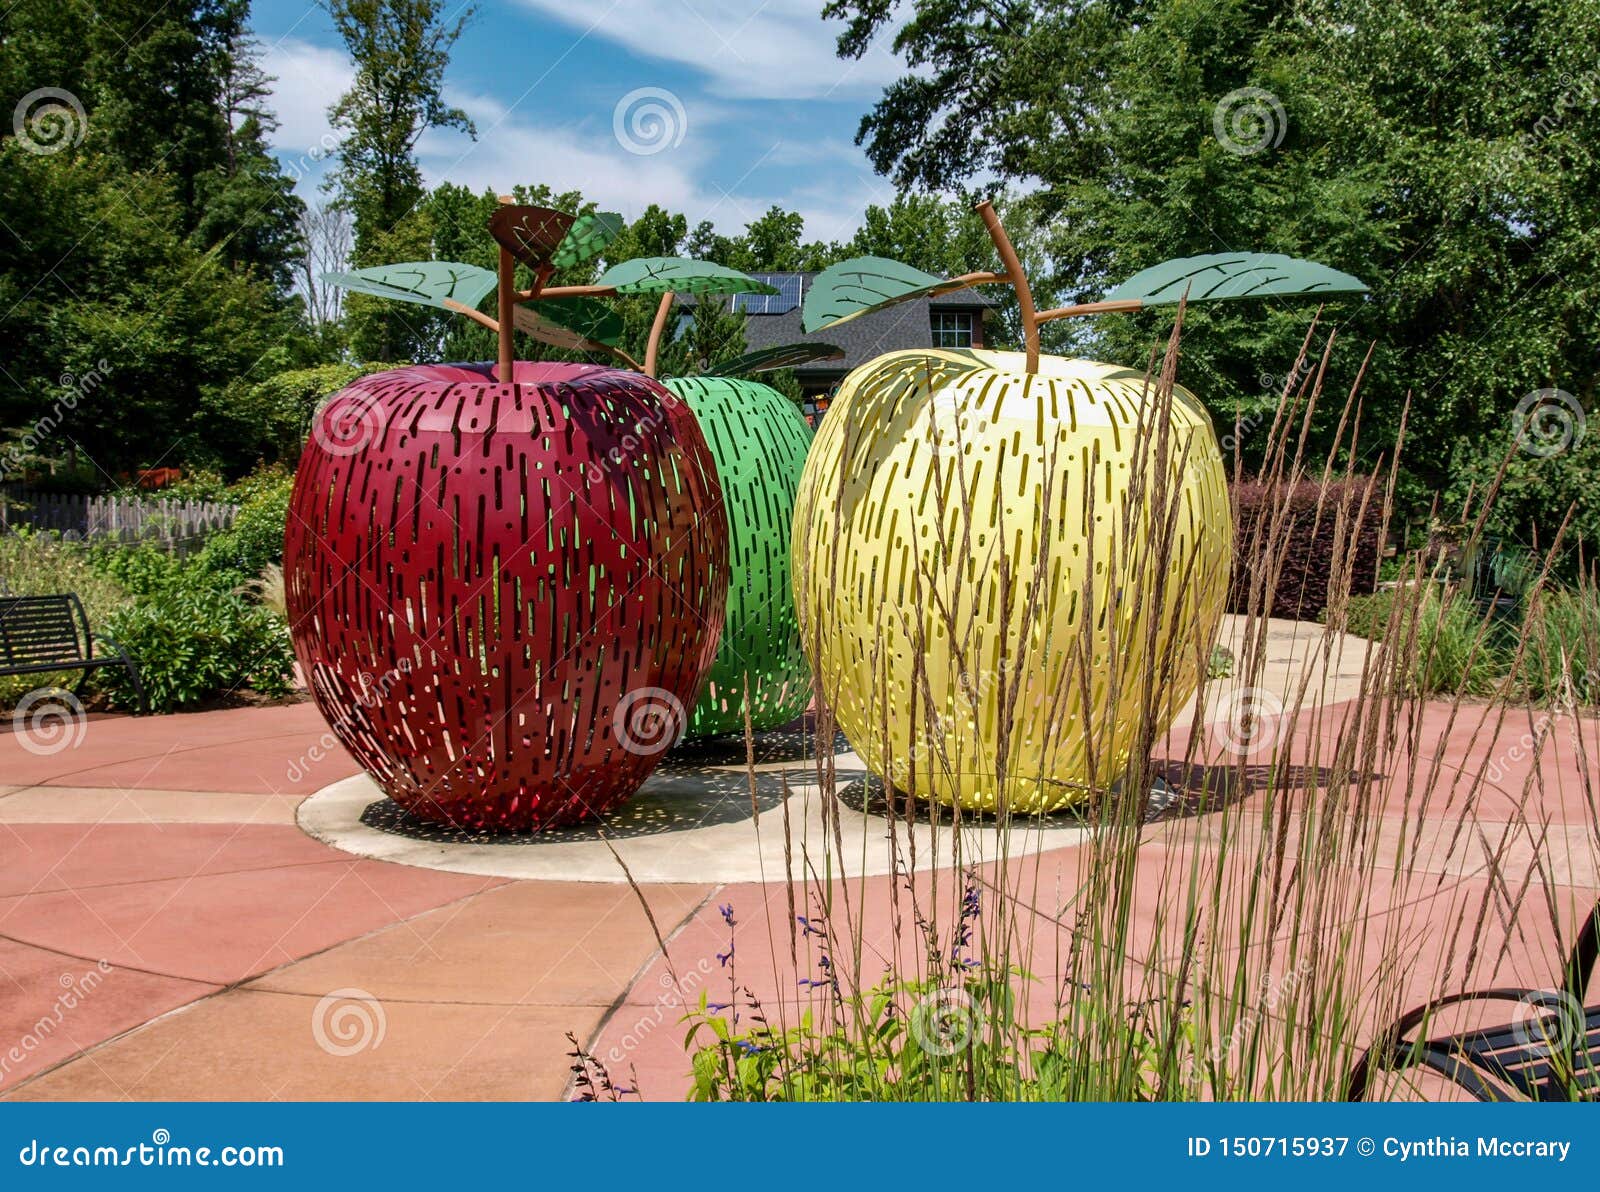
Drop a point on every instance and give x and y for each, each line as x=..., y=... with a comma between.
x=427, y=283
x=1218, y=276
x=588, y=235
x=767, y=359
x=588, y=317
x=533, y=235
x=579, y=324
x=864, y=284
x=679, y=275
x=536, y=324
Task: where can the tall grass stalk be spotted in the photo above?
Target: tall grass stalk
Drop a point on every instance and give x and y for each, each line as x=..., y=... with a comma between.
x=1326, y=867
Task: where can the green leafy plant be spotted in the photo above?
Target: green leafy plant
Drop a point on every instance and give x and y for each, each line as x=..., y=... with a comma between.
x=193, y=644
x=141, y=569
x=240, y=553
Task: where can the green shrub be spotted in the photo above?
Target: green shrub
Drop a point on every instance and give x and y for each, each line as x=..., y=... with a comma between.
x=270, y=418
x=141, y=569
x=193, y=643
x=1454, y=653
x=1564, y=640
x=239, y=554
x=201, y=484
x=918, y=1041
x=43, y=564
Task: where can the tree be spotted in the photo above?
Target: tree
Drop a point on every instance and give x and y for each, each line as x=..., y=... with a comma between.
x=1442, y=151
x=111, y=341
x=326, y=238
x=401, y=49
x=771, y=242
x=178, y=90
x=143, y=255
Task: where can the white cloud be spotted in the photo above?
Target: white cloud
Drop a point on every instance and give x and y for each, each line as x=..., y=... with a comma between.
x=779, y=50
x=309, y=79
x=697, y=174
x=593, y=160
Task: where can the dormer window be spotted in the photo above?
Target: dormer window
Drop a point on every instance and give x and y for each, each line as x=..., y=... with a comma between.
x=952, y=328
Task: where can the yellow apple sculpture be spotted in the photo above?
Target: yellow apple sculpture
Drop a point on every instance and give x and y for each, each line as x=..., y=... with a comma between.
x=1009, y=569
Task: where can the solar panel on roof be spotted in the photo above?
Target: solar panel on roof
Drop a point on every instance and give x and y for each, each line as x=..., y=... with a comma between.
x=785, y=300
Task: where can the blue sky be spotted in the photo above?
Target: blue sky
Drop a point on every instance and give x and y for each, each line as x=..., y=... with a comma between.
x=715, y=108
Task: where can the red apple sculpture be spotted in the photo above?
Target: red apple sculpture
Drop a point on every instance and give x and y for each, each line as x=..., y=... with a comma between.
x=506, y=581
x=505, y=594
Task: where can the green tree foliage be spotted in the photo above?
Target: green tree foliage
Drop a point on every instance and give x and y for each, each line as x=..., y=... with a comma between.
x=115, y=325
x=145, y=257
x=772, y=241
x=1442, y=151
x=401, y=49
x=176, y=89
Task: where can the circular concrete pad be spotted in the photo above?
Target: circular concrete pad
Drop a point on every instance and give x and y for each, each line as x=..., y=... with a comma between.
x=695, y=820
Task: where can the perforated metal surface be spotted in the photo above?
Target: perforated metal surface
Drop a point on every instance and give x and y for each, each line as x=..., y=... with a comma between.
x=955, y=677
x=759, y=440
x=482, y=578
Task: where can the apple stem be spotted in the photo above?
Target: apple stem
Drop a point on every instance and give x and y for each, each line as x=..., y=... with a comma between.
x=663, y=311
x=477, y=316
x=1018, y=280
x=1116, y=306
x=507, y=307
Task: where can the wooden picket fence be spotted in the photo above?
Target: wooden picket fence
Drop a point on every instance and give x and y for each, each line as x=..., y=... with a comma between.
x=177, y=525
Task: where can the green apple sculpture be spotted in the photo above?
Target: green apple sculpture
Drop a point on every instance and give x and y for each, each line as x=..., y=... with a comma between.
x=759, y=439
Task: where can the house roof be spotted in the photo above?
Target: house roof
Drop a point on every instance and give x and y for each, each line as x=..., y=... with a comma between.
x=904, y=326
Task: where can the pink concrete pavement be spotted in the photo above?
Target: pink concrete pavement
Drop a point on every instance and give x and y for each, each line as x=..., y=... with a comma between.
x=151, y=876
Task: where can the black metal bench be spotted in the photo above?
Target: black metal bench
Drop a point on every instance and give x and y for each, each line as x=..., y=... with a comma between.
x=1554, y=1055
x=48, y=634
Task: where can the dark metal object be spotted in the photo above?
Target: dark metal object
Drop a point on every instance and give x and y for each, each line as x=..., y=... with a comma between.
x=45, y=634
x=1554, y=1055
